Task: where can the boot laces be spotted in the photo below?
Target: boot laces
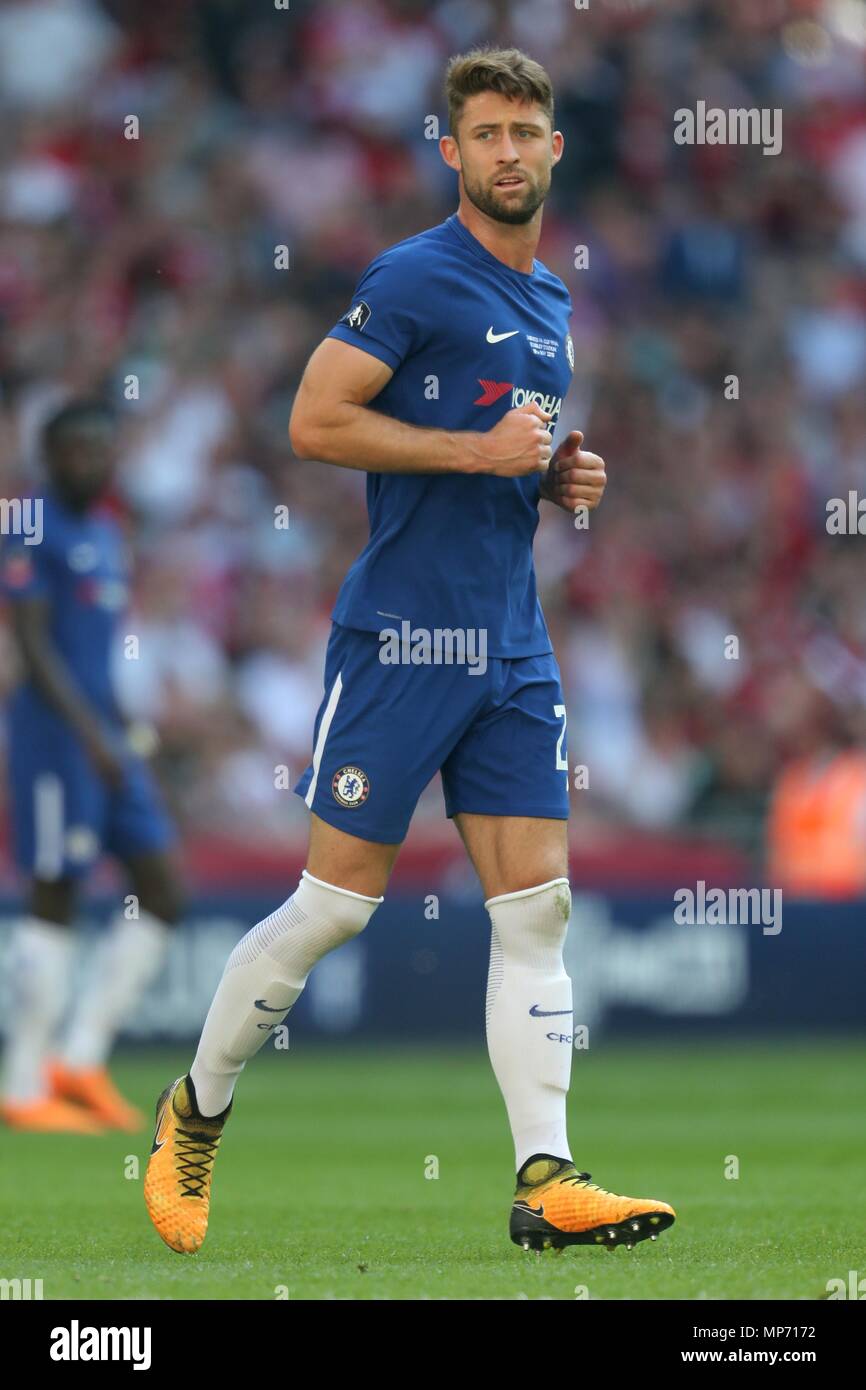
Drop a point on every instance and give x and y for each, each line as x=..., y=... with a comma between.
x=195, y=1156
x=583, y=1178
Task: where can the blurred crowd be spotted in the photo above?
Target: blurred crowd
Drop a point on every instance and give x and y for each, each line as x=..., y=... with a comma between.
x=720, y=342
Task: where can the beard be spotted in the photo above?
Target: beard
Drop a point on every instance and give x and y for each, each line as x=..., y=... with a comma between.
x=502, y=208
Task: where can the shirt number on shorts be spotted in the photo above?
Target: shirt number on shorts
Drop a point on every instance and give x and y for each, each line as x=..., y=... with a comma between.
x=561, y=762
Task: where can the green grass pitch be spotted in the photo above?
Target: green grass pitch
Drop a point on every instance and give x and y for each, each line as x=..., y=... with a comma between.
x=320, y=1189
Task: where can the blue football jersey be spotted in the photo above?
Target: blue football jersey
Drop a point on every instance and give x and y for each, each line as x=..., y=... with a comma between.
x=80, y=567
x=468, y=339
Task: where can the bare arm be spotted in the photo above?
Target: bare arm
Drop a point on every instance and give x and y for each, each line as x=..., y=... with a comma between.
x=47, y=670
x=332, y=422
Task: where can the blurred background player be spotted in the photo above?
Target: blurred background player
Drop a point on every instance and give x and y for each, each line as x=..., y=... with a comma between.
x=76, y=789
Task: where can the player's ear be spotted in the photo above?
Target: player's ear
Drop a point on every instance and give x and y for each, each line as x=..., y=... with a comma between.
x=557, y=140
x=450, y=152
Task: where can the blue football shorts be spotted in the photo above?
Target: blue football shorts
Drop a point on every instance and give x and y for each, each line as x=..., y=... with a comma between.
x=384, y=730
x=63, y=815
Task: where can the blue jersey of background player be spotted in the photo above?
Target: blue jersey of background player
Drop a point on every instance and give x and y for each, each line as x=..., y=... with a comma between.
x=77, y=788
x=76, y=579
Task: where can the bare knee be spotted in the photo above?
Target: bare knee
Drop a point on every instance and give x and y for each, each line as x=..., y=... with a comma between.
x=347, y=861
x=510, y=878
x=514, y=853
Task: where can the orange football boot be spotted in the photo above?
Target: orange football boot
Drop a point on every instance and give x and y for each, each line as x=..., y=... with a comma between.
x=49, y=1115
x=177, y=1183
x=555, y=1206
x=93, y=1089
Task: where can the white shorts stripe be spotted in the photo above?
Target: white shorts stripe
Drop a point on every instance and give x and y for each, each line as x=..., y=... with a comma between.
x=48, y=824
x=325, y=725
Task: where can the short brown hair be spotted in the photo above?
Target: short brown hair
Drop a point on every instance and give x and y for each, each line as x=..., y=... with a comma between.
x=504, y=70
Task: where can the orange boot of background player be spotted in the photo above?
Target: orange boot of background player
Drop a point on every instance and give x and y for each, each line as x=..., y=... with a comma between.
x=48, y=1115
x=93, y=1089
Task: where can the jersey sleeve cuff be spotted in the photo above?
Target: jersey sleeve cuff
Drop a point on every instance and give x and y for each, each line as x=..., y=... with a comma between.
x=366, y=344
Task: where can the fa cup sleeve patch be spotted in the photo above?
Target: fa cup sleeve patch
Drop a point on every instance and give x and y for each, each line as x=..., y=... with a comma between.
x=357, y=316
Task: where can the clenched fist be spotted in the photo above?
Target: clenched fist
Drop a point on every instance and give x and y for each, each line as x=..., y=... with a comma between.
x=518, y=444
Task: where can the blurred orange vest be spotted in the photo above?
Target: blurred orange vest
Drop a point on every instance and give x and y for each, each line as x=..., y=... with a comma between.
x=816, y=834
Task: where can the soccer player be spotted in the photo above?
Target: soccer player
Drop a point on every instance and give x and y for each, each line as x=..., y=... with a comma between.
x=76, y=788
x=442, y=381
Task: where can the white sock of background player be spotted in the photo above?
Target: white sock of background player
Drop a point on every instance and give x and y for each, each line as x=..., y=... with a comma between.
x=126, y=961
x=40, y=972
x=263, y=978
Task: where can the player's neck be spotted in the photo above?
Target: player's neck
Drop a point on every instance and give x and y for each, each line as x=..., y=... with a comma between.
x=513, y=244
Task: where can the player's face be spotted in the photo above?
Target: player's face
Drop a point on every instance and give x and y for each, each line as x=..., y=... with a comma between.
x=505, y=151
x=82, y=462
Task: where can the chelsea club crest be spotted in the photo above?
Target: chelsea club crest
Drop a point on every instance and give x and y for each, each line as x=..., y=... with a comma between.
x=350, y=786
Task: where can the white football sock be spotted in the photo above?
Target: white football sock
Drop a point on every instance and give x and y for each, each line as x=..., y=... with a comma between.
x=529, y=1015
x=125, y=963
x=40, y=966
x=264, y=975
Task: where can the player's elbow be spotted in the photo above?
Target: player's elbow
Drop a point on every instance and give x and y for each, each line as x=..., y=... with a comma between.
x=318, y=433
x=302, y=435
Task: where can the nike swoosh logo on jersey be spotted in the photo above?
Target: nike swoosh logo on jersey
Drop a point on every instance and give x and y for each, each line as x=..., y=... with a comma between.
x=536, y=1012
x=498, y=337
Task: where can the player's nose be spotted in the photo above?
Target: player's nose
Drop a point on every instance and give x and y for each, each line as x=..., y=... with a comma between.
x=509, y=154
